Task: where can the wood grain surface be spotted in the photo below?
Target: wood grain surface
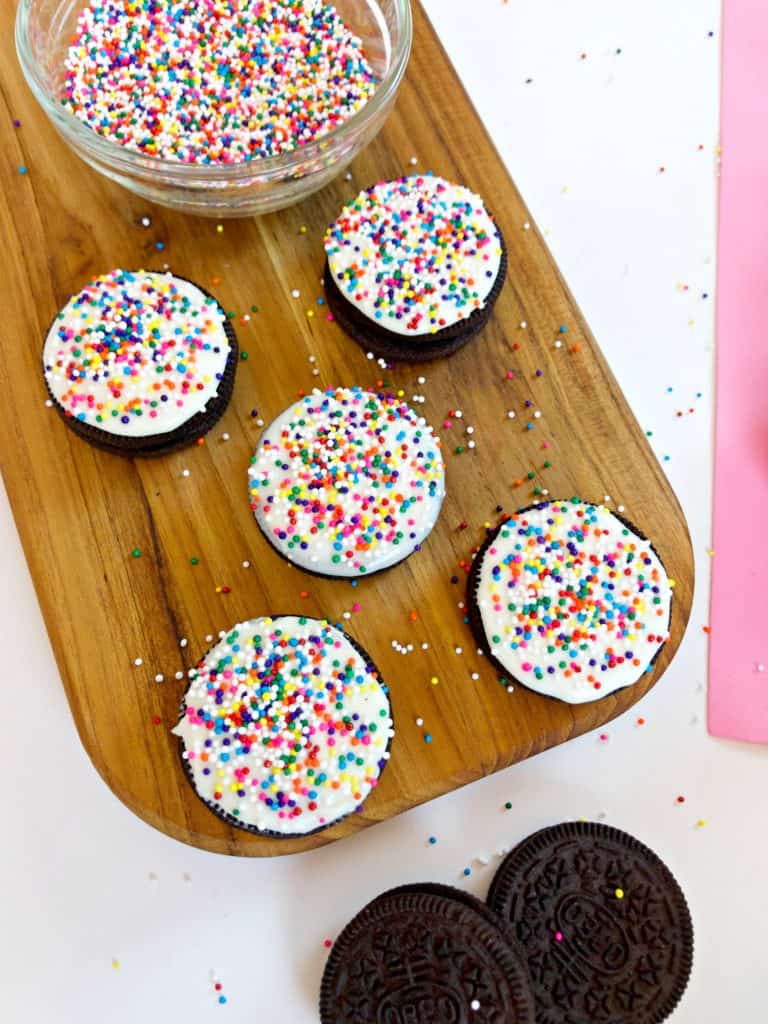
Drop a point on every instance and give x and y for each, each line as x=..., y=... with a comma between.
x=81, y=512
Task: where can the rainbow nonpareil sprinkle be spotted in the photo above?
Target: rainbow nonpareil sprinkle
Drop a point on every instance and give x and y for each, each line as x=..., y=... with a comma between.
x=214, y=81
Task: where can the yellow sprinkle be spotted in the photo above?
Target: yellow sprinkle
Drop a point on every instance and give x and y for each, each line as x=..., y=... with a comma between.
x=115, y=964
x=303, y=229
x=672, y=584
x=219, y=228
x=619, y=894
x=701, y=822
x=710, y=552
x=434, y=680
x=310, y=313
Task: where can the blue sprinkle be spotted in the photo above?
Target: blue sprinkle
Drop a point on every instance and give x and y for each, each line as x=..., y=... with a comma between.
x=22, y=169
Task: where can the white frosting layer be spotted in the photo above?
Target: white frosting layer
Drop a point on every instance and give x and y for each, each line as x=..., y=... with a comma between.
x=415, y=255
x=136, y=353
x=573, y=603
x=286, y=727
x=346, y=482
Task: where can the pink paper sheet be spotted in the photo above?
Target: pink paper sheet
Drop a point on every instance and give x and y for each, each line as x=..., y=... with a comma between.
x=738, y=690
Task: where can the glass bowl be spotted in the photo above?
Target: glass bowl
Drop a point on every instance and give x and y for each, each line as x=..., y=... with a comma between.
x=43, y=32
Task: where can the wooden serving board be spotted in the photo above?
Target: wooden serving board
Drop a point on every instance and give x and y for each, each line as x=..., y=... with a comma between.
x=81, y=512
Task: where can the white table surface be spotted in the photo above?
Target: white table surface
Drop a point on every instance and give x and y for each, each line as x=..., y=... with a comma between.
x=84, y=883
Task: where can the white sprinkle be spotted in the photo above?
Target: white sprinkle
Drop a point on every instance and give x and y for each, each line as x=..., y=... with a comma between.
x=414, y=161
x=296, y=293
x=475, y=1004
x=526, y=226
x=470, y=430
x=209, y=638
x=246, y=564
x=185, y=472
x=159, y=677
x=259, y=423
x=523, y=324
x=313, y=359
x=348, y=176
x=606, y=498
x=510, y=689
x=537, y=415
x=183, y=642
x=475, y=675
x=471, y=444
x=419, y=721
x=511, y=414
x=315, y=373
x=225, y=437
x=421, y=380
x=179, y=675
x=458, y=414
x=425, y=647
x=145, y=222
x=48, y=403
x=347, y=615
x=138, y=661
x=545, y=492
x=459, y=650
x=620, y=508
x=558, y=344
x=369, y=355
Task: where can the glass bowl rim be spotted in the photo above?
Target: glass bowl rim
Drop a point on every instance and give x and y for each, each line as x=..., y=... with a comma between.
x=129, y=161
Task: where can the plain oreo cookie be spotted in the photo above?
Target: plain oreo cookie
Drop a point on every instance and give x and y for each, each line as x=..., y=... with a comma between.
x=424, y=955
x=602, y=923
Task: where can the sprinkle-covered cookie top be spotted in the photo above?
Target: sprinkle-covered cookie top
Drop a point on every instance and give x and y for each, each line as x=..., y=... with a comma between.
x=216, y=81
x=573, y=602
x=136, y=353
x=346, y=482
x=415, y=255
x=286, y=726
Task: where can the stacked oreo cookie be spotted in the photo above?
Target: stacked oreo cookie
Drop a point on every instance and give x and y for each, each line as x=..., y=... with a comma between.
x=583, y=923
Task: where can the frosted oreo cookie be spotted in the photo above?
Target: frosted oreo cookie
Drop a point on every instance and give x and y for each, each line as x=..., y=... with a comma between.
x=140, y=363
x=346, y=482
x=570, y=600
x=413, y=267
x=285, y=727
